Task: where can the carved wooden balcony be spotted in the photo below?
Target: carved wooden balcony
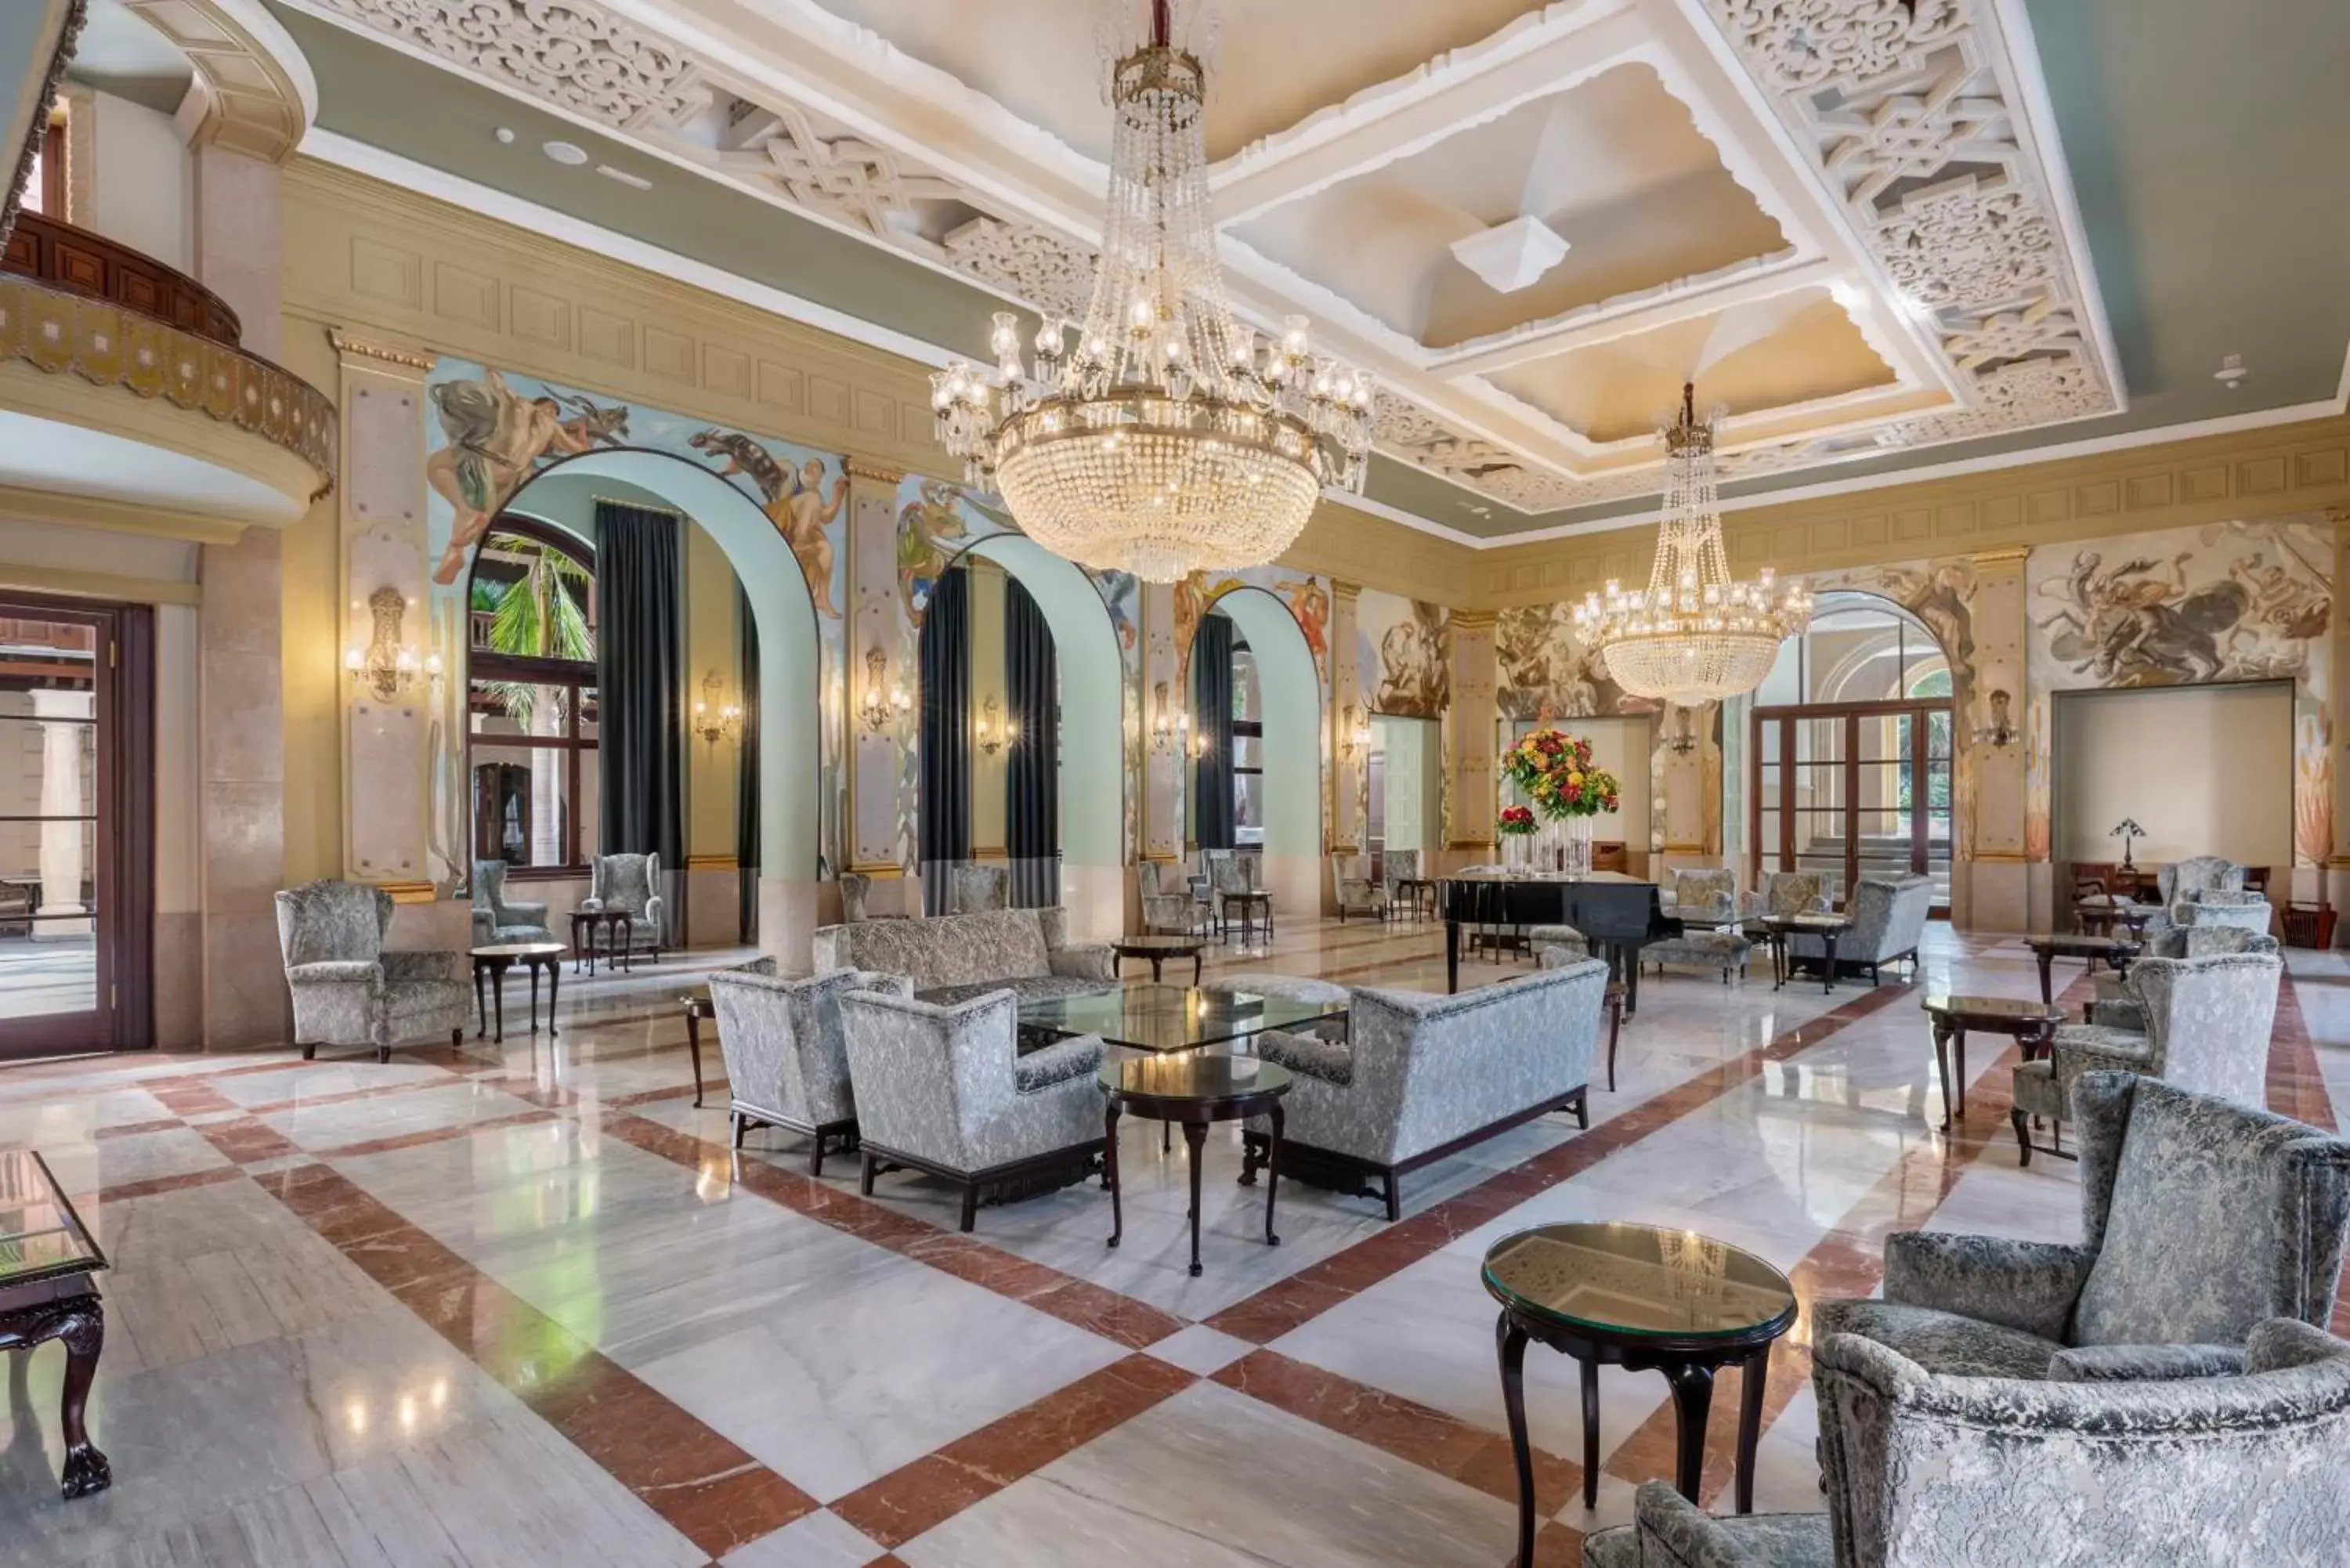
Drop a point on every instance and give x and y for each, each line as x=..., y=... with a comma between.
x=79, y=262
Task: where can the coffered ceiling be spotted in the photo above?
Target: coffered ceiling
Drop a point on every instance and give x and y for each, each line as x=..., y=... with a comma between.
x=1849, y=221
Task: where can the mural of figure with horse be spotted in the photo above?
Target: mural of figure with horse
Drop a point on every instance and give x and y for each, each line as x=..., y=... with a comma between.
x=497, y=438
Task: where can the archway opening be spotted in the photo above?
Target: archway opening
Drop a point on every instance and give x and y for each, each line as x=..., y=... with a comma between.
x=1275, y=768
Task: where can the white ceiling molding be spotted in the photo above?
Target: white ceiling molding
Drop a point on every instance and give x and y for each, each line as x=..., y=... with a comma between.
x=1509, y=257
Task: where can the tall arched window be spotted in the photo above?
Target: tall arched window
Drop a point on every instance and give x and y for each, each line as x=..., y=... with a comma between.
x=531, y=704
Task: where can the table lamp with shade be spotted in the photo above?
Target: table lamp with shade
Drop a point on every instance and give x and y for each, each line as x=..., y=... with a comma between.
x=2125, y=830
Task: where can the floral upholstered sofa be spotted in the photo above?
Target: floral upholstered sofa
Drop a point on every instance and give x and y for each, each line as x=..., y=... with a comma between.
x=952, y=958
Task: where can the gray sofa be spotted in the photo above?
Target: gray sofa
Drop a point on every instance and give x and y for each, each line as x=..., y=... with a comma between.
x=1926, y=1471
x=2199, y=1218
x=952, y=958
x=1888, y=920
x=943, y=1090
x=348, y=989
x=786, y=1063
x=1421, y=1077
x=498, y=918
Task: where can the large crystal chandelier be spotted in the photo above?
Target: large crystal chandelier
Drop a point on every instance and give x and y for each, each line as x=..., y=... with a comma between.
x=1167, y=440
x=1694, y=635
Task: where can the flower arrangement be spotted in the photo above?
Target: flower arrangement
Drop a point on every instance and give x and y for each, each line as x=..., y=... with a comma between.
x=1517, y=822
x=1554, y=770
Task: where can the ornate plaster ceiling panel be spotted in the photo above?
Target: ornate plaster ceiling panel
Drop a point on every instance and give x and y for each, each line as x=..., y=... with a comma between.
x=1792, y=348
x=1613, y=166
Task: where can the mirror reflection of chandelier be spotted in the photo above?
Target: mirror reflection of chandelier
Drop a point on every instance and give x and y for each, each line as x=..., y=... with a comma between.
x=1166, y=439
x=1694, y=635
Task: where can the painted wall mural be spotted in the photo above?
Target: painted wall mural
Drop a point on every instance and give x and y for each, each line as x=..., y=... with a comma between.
x=493, y=431
x=2225, y=602
x=1403, y=654
x=1544, y=673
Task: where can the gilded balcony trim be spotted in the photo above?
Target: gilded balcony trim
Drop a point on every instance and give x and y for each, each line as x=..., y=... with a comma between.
x=108, y=345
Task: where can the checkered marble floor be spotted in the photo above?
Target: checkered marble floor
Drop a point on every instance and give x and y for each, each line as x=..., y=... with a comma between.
x=522, y=1304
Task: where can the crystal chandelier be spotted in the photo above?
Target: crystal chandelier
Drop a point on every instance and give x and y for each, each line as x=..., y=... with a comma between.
x=1166, y=439
x=1694, y=635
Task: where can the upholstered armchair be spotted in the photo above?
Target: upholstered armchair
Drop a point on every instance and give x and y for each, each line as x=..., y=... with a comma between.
x=2116, y=1006
x=348, y=989
x=954, y=958
x=1398, y=866
x=1420, y=1076
x=1888, y=921
x=1703, y=896
x=1790, y=893
x=1357, y=893
x=498, y=918
x=1229, y=874
x=2246, y=911
x=2187, y=881
x=630, y=885
x=2205, y=1027
x=1168, y=906
x=856, y=887
x=981, y=887
x=787, y=1065
x=944, y=1091
x=2198, y=1218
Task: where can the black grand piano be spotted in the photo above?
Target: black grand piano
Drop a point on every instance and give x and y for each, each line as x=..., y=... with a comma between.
x=1616, y=915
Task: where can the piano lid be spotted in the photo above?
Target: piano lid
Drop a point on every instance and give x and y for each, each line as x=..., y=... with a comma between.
x=1502, y=878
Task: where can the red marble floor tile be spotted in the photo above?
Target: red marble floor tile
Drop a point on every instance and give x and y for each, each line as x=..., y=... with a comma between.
x=1425, y=1437
x=248, y=1139
x=132, y=1129
x=124, y=1192
x=2296, y=1084
x=189, y=1096
x=894, y=1508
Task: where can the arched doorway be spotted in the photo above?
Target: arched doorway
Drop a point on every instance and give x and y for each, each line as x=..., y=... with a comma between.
x=787, y=711
x=1286, y=753
x=1089, y=667
x=1852, y=764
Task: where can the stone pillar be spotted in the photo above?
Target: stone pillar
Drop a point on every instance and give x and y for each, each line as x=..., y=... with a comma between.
x=1999, y=879
x=1472, y=795
x=1350, y=711
x=65, y=726
x=882, y=782
x=242, y=721
x=238, y=254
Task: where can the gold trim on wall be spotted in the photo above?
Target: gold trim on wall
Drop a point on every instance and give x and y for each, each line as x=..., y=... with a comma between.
x=410, y=892
x=712, y=863
x=352, y=346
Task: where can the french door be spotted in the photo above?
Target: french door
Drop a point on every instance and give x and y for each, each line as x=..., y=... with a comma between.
x=77, y=849
x=1851, y=789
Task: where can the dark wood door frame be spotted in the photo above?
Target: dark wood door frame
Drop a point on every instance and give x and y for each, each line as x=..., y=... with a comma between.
x=1918, y=710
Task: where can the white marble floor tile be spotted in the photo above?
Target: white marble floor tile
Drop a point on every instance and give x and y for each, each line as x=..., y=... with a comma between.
x=1200, y=1349
x=315, y=1080
x=819, y=1540
x=348, y=1122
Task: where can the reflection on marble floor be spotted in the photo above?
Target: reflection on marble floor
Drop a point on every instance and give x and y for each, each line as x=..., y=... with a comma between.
x=520, y=1304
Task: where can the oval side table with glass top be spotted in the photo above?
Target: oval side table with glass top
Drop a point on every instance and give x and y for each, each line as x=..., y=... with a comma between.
x=1644, y=1299
x=1194, y=1088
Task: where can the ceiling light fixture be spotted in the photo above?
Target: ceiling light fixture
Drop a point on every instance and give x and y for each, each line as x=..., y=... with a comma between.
x=571, y=154
x=1165, y=441
x=1695, y=635
x=2232, y=371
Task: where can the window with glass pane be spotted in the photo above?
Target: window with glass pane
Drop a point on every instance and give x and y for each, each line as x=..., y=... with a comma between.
x=532, y=698
x=1248, y=749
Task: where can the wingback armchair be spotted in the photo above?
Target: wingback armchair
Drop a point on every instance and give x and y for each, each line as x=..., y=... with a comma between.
x=1169, y=908
x=1357, y=893
x=2117, y=1006
x=348, y=989
x=1790, y=893
x=1703, y=896
x=1420, y=1076
x=978, y=888
x=498, y=918
x=1888, y=921
x=2198, y=1218
x=630, y=885
x=786, y=1064
x=943, y=1090
x=2204, y=1025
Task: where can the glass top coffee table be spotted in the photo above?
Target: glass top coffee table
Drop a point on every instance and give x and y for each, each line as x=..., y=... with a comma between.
x=1640, y=1298
x=49, y=1290
x=1153, y=1017
x=1194, y=1088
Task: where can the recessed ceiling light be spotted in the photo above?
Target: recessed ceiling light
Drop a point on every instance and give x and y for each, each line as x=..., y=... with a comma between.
x=2231, y=372
x=568, y=153
x=633, y=181
x=504, y=133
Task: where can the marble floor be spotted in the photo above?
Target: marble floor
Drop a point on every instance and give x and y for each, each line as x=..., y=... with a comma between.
x=520, y=1305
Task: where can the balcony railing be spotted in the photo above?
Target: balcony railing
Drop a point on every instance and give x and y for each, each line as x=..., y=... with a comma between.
x=79, y=262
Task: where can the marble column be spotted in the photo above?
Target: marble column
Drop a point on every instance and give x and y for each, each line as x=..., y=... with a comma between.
x=2000, y=881
x=65, y=728
x=1349, y=714
x=242, y=721
x=1470, y=795
x=238, y=251
x=883, y=788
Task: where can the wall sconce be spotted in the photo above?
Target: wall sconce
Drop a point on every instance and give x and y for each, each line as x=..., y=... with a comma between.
x=1355, y=733
x=884, y=701
x=1683, y=740
x=713, y=720
x=1202, y=744
x=2000, y=732
x=1167, y=728
x=995, y=730
x=387, y=667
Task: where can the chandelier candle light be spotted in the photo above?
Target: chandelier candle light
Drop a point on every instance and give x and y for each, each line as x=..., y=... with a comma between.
x=1695, y=635
x=1166, y=439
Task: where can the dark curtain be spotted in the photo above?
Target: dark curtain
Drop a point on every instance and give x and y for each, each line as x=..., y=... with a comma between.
x=1212, y=718
x=946, y=739
x=640, y=682
x=746, y=772
x=1031, y=779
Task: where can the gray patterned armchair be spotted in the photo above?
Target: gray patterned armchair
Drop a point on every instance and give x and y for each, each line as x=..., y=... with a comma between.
x=2205, y=1025
x=952, y=958
x=630, y=884
x=787, y=1065
x=1421, y=1077
x=943, y=1090
x=1790, y=893
x=2198, y=1220
x=1925, y=1470
x=1703, y=899
x=2202, y=878
x=348, y=989
x=1169, y=908
x=1398, y=866
x=1888, y=921
x=2117, y=1007
x=498, y=918
x=978, y=888
x=1357, y=893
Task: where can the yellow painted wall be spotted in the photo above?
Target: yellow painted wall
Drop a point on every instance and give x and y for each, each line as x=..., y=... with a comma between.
x=712, y=769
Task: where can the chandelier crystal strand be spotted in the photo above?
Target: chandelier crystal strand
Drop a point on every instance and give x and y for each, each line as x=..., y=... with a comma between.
x=1695, y=634
x=1165, y=439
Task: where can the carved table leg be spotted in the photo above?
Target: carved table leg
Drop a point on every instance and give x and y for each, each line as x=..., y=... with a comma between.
x=1509, y=1343
x=1195, y=1138
x=1692, y=1388
x=1110, y=1169
x=1273, y=1174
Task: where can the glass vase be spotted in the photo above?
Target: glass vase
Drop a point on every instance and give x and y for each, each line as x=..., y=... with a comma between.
x=1575, y=846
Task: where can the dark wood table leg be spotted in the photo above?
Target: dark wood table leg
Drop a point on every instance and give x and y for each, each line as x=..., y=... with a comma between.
x=1754, y=1375
x=1590, y=1371
x=693, y=1049
x=1155, y=961
x=1510, y=1345
x=498, y=994
x=84, y=1333
x=1692, y=1386
x=1196, y=956
x=1109, y=1170
x=480, y=998
x=2047, y=962
x=1942, y=1066
x=533, y=995
x=1452, y=956
x=1959, y=1066
x=555, y=992
x=1827, y=977
x=1272, y=1175
x=1195, y=1138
